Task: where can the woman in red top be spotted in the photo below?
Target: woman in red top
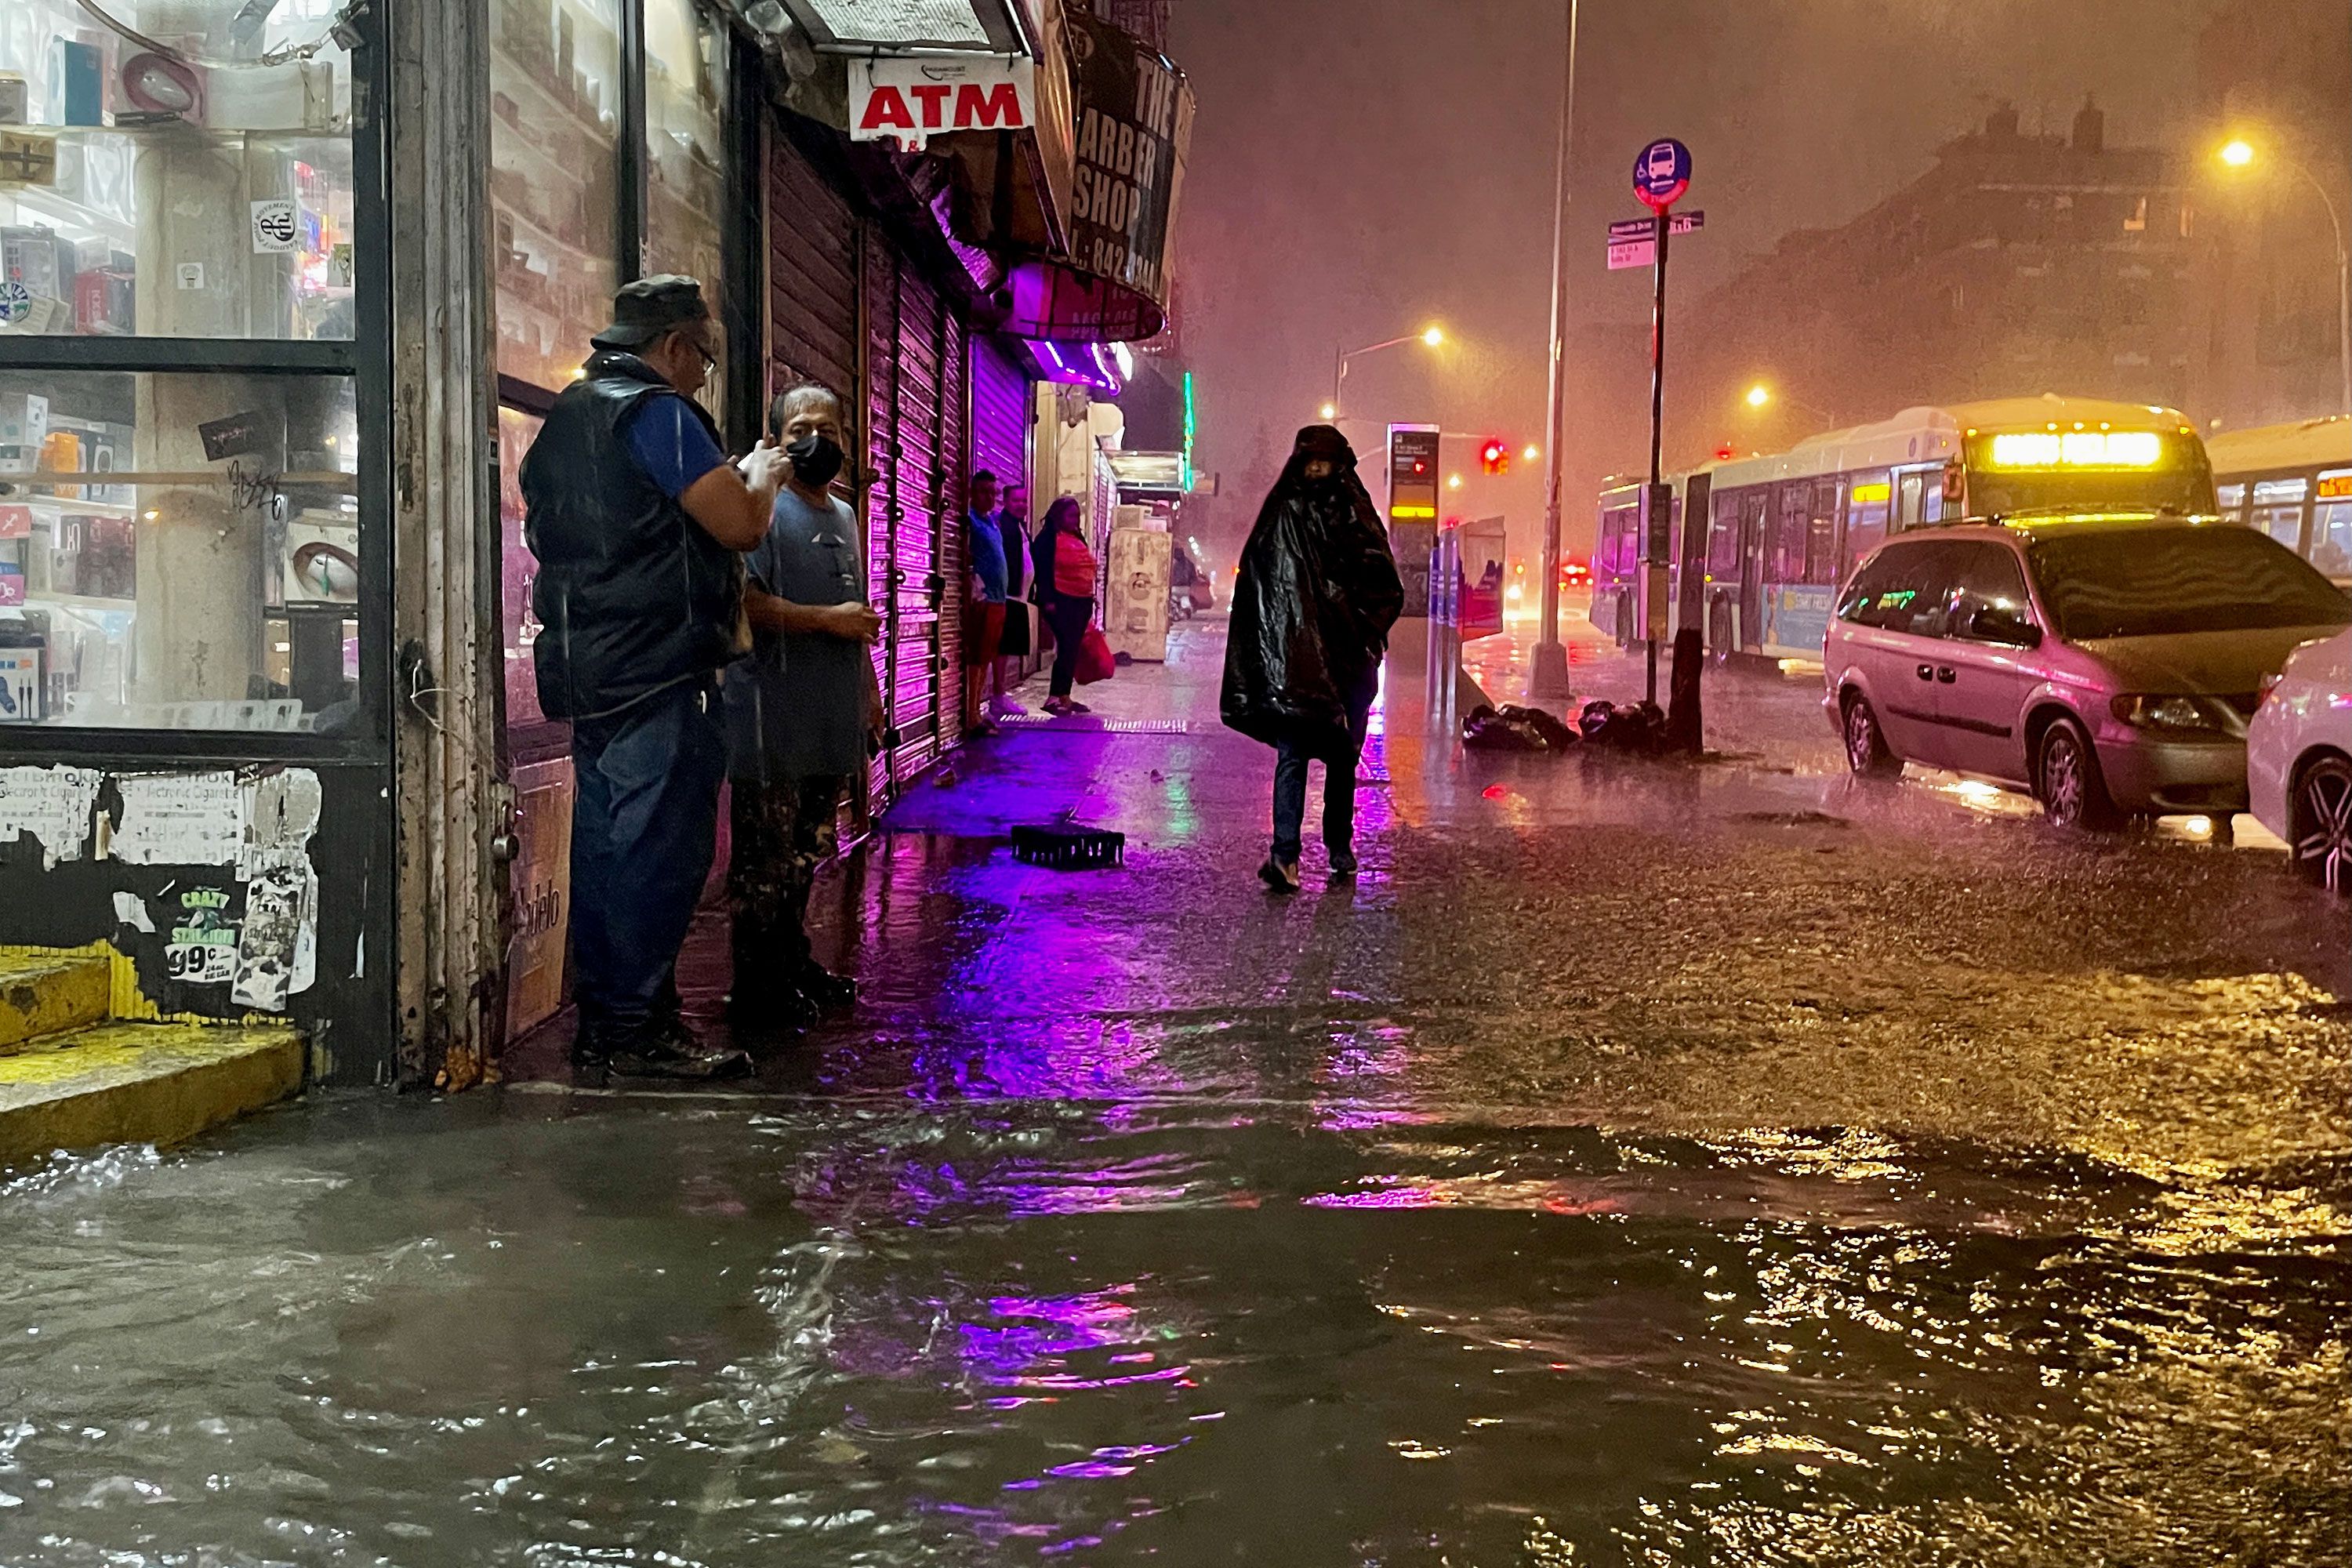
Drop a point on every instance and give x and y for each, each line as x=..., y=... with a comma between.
x=1065, y=595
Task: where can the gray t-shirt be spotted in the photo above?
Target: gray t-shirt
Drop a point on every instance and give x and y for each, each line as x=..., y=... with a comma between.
x=796, y=704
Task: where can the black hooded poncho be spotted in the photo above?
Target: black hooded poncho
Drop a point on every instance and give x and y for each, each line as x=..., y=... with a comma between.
x=1312, y=609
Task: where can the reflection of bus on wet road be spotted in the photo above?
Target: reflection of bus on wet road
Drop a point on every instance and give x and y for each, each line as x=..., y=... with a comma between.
x=2293, y=482
x=1783, y=530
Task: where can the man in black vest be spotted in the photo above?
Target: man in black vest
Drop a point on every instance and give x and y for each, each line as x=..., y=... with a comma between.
x=635, y=516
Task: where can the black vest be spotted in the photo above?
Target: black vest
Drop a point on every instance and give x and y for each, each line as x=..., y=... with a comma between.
x=632, y=594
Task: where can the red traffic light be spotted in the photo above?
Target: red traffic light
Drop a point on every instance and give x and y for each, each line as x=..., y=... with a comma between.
x=1494, y=456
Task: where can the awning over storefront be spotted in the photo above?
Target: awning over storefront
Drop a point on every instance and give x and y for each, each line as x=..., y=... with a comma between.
x=1133, y=122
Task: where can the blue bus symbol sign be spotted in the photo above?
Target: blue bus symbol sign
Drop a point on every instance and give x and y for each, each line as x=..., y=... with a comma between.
x=1661, y=173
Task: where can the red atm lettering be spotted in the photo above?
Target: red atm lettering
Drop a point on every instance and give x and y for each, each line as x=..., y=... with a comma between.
x=887, y=108
x=977, y=109
x=933, y=97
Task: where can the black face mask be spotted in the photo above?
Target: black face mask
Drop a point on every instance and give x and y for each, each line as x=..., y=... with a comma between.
x=816, y=458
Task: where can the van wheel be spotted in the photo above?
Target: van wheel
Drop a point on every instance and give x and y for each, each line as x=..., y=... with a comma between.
x=2066, y=776
x=2323, y=826
x=1866, y=750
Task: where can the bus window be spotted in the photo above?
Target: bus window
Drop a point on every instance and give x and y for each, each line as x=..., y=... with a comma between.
x=2233, y=501
x=1867, y=500
x=1821, y=534
x=2331, y=525
x=2278, y=510
x=1722, y=540
x=1912, y=508
x=1784, y=561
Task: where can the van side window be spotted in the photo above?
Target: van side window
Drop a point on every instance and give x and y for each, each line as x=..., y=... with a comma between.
x=1985, y=576
x=1903, y=589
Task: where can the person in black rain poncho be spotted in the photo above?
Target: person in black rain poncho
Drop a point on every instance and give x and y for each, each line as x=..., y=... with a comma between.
x=1311, y=614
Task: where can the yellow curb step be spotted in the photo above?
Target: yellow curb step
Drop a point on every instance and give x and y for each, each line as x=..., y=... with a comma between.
x=49, y=994
x=139, y=1083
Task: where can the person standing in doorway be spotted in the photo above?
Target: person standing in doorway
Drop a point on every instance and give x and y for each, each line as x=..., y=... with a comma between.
x=804, y=714
x=636, y=517
x=1012, y=526
x=1065, y=596
x=984, y=623
x=1317, y=595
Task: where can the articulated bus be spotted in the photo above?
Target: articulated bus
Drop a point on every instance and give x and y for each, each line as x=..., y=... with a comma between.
x=1784, y=531
x=2293, y=482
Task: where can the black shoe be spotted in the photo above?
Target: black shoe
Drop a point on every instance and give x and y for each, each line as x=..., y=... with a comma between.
x=1343, y=868
x=668, y=1049
x=831, y=992
x=1280, y=876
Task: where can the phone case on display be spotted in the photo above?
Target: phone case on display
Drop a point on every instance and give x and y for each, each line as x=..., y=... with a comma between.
x=20, y=684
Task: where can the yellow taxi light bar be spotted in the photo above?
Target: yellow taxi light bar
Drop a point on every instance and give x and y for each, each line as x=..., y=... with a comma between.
x=2078, y=449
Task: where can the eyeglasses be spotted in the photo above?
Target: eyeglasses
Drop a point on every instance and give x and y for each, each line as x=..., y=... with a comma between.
x=709, y=360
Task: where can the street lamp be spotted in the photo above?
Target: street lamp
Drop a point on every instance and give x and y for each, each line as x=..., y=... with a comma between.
x=2239, y=153
x=1548, y=663
x=1761, y=396
x=1433, y=337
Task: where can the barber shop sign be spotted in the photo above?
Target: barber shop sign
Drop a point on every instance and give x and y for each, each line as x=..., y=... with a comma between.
x=911, y=100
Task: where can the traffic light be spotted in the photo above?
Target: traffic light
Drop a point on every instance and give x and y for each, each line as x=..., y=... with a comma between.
x=1494, y=456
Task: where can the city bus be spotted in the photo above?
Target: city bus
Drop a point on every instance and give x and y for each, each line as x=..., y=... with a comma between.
x=1783, y=530
x=2293, y=482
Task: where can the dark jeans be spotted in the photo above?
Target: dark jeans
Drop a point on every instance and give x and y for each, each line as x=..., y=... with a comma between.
x=1338, y=797
x=644, y=826
x=1069, y=619
x=782, y=832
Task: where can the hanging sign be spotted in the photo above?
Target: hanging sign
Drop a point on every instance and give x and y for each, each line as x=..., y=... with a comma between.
x=912, y=100
x=1134, y=125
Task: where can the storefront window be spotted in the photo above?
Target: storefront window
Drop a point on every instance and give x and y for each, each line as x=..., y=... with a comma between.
x=685, y=81
x=517, y=431
x=179, y=552
x=207, y=196
x=555, y=110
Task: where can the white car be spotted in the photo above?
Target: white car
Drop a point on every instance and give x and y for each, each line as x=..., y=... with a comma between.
x=2299, y=760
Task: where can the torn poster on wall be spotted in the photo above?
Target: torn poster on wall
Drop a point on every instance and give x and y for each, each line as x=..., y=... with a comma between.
x=246, y=919
x=53, y=805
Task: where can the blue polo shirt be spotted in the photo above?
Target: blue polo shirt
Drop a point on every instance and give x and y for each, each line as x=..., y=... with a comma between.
x=985, y=542
x=671, y=443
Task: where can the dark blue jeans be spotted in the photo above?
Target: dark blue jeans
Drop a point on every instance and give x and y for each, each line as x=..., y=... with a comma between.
x=644, y=826
x=1338, y=797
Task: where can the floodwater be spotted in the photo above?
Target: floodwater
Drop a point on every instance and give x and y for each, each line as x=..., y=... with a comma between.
x=1636, y=1167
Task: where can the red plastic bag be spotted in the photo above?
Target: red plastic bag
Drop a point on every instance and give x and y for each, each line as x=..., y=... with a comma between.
x=1094, y=661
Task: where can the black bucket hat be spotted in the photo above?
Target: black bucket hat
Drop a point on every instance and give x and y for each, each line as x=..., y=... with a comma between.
x=651, y=308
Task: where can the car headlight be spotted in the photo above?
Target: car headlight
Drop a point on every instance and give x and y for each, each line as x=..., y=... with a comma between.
x=2178, y=715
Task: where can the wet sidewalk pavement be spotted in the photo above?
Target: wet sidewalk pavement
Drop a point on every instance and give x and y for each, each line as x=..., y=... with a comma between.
x=1641, y=1163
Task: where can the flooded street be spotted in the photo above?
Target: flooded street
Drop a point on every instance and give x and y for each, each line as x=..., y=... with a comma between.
x=1641, y=1165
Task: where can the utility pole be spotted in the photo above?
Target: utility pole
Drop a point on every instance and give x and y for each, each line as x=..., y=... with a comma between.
x=1548, y=669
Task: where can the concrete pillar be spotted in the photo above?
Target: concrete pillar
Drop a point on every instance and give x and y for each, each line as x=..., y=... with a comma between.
x=201, y=548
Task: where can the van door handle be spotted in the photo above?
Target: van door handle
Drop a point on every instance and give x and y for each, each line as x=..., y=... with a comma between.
x=1926, y=672
x=1946, y=674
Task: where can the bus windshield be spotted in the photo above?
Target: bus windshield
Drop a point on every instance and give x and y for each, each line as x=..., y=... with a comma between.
x=2165, y=582
x=2188, y=492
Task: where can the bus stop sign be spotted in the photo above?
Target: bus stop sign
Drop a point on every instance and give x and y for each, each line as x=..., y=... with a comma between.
x=1661, y=173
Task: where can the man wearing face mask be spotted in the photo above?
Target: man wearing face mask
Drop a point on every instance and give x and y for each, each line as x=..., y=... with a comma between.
x=804, y=714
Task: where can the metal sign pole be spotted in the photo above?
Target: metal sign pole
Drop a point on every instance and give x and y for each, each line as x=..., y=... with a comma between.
x=1654, y=526
x=1547, y=667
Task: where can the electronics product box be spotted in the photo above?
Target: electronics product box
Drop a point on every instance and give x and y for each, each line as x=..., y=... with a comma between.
x=16, y=99
x=24, y=425
x=20, y=684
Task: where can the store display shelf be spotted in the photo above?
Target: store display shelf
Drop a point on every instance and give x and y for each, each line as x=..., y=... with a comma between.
x=81, y=602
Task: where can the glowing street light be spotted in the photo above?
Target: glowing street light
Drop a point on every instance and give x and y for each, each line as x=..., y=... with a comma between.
x=1432, y=336
x=1761, y=396
x=2239, y=153
x=1532, y=453
x=1453, y=481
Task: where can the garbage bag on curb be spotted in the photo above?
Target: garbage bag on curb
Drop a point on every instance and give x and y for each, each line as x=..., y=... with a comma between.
x=1514, y=729
x=1623, y=726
